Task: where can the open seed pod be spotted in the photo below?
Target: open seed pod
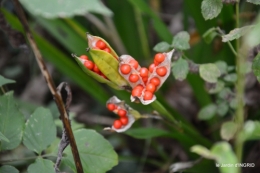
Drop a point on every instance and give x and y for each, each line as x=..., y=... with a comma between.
x=99, y=43
x=143, y=89
x=118, y=106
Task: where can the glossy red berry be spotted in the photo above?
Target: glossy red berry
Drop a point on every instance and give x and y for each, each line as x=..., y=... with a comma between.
x=143, y=72
x=125, y=68
x=111, y=106
x=159, y=57
x=151, y=68
x=156, y=63
x=96, y=69
x=151, y=87
x=141, y=87
x=89, y=64
x=124, y=120
x=156, y=81
x=117, y=124
x=84, y=57
x=148, y=95
x=137, y=92
x=133, y=78
x=121, y=112
x=107, y=50
x=145, y=79
x=134, y=63
x=100, y=44
x=161, y=71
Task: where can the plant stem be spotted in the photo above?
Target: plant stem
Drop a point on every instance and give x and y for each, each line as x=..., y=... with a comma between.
x=240, y=86
x=51, y=85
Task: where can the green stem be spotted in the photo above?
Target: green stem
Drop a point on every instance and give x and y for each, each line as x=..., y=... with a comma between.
x=240, y=86
x=184, y=128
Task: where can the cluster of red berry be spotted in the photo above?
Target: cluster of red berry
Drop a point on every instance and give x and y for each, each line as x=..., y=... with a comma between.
x=91, y=65
x=121, y=112
x=100, y=45
x=145, y=81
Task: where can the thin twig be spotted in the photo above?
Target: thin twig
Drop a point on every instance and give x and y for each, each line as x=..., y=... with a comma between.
x=51, y=85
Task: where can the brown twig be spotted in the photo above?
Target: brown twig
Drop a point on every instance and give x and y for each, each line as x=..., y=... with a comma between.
x=51, y=85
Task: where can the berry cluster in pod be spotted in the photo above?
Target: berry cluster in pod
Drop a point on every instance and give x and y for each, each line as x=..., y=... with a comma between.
x=145, y=81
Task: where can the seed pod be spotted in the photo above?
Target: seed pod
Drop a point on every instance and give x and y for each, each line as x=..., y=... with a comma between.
x=108, y=66
x=96, y=76
x=131, y=114
x=92, y=43
x=160, y=71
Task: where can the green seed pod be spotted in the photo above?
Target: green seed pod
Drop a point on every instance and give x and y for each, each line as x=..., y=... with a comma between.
x=95, y=75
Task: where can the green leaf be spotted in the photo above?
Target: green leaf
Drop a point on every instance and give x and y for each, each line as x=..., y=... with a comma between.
x=256, y=2
x=4, y=81
x=146, y=133
x=231, y=78
x=96, y=153
x=224, y=155
x=203, y=151
x=207, y=112
x=64, y=8
x=218, y=87
x=251, y=38
x=8, y=169
x=41, y=166
x=40, y=130
x=162, y=47
x=236, y=33
x=11, y=122
x=3, y=138
x=222, y=108
x=225, y=93
x=209, y=72
x=211, y=8
x=181, y=41
x=251, y=130
x=222, y=66
x=256, y=66
x=180, y=69
x=209, y=35
x=228, y=130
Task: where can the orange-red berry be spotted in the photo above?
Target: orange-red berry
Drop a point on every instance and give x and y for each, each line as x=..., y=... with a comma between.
x=84, y=57
x=111, y=106
x=148, y=95
x=134, y=63
x=133, y=78
x=151, y=87
x=96, y=69
x=107, y=50
x=156, y=81
x=159, y=57
x=156, y=63
x=151, y=68
x=145, y=79
x=143, y=72
x=161, y=71
x=121, y=112
x=124, y=120
x=89, y=64
x=117, y=124
x=141, y=87
x=137, y=92
x=125, y=68
x=100, y=44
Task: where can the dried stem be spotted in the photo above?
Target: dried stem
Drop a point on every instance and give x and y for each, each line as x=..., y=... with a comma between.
x=51, y=85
